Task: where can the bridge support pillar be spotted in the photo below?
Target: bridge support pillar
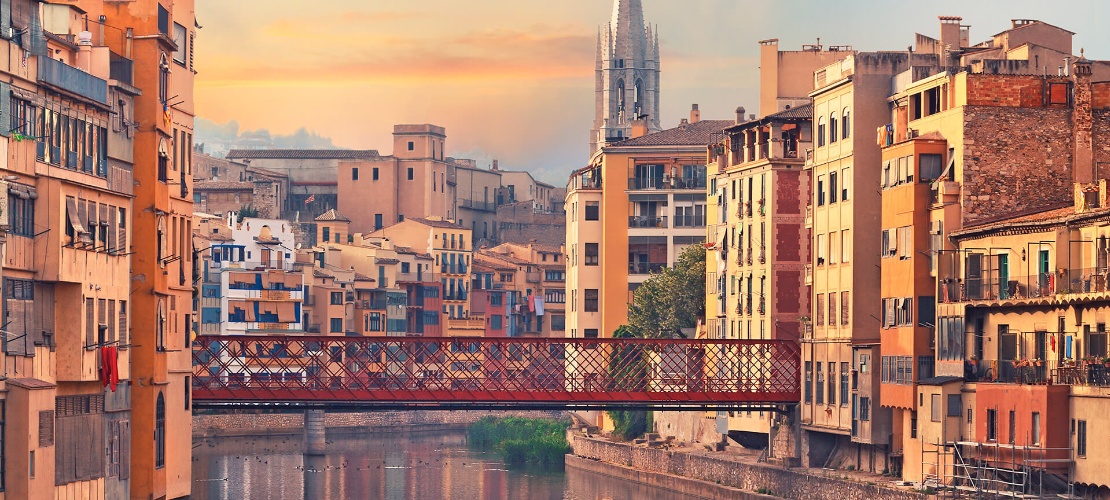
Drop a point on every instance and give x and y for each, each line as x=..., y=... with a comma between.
x=314, y=441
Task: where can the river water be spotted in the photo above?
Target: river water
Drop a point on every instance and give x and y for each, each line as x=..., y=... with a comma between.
x=390, y=466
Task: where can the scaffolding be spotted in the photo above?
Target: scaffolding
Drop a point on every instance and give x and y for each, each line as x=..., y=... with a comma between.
x=968, y=469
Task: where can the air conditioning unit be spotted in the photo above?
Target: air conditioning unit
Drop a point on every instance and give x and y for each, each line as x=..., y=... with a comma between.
x=7, y=32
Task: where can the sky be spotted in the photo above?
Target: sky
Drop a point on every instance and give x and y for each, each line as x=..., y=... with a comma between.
x=513, y=80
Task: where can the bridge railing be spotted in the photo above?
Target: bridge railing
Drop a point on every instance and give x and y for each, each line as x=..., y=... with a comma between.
x=406, y=371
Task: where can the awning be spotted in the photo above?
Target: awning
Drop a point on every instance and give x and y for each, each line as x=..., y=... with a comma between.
x=246, y=306
x=74, y=216
x=287, y=312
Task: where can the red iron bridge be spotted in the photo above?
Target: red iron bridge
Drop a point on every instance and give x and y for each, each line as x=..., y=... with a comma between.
x=317, y=372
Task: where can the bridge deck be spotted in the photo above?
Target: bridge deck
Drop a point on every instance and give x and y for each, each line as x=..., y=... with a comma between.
x=474, y=373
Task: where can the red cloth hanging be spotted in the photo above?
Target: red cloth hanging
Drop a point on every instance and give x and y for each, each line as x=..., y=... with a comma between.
x=113, y=364
x=102, y=369
x=531, y=304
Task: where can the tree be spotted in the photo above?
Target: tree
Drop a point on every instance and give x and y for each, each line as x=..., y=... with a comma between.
x=671, y=300
x=247, y=212
x=663, y=305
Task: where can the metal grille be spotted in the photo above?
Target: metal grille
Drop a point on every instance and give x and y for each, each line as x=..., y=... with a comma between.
x=516, y=372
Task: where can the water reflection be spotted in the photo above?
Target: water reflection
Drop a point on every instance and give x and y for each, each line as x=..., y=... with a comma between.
x=388, y=467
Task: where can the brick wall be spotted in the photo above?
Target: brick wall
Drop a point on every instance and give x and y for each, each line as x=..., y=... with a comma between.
x=1016, y=160
x=293, y=423
x=1006, y=90
x=746, y=476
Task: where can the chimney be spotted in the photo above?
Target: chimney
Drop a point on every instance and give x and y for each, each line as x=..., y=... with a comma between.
x=695, y=115
x=494, y=166
x=949, y=36
x=84, y=51
x=740, y=114
x=1083, y=163
x=639, y=128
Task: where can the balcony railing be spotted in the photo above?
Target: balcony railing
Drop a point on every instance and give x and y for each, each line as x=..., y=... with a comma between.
x=640, y=183
x=66, y=77
x=1011, y=288
x=533, y=277
x=485, y=206
x=647, y=221
x=121, y=69
x=646, y=267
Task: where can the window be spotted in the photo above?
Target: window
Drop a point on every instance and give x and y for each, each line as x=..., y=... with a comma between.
x=821, y=131
x=820, y=385
x=336, y=325
x=180, y=38
x=845, y=177
x=864, y=409
x=821, y=238
x=378, y=222
x=327, y=234
x=591, y=254
x=820, y=190
x=845, y=245
x=935, y=409
x=558, y=322
x=354, y=173
x=1081, y=438
x=412, y=145
x=495, y=322
x=820, y=310
x=832, y=187
x=846, y=124
x=992, y=424
x=1036, y=429
x=591, y=300
x=410, y=173
x=21, y=215
x=593, y=210
x=336, y=298
x=844, y=317
x=1013, y=424
x=832, y=128
x=832, y=383
x=160, y=432
x=374, y=173
x=844, y=383
x=809, y=382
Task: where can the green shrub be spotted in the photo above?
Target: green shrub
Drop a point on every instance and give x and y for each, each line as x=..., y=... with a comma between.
x=521, y=441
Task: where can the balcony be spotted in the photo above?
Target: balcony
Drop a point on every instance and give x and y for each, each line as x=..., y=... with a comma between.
x=532, y=277
x=371, y=305
x=70, y=79
x=1037, y=286
x=647, y=221
x=644, y=183
x=484, y=206
x=646, y=267
x=121, y=69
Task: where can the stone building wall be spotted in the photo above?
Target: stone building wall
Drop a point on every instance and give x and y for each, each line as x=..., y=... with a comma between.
x=718, y=468
x=1015, y=161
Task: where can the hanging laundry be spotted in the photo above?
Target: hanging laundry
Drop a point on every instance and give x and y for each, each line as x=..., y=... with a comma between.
x=113, y=365
x=539, y=305
x=531, y=304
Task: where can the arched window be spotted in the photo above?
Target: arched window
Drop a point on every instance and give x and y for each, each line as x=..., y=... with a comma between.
x=847, y=123
x=160, y=432
x=821, y=131
x=832, y=128
x=620, y=95
x=639, y=96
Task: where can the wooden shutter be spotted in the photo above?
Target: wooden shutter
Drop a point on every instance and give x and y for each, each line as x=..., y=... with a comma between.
x=113, y=235
x=121, y=242
x=90, y=326
x=124, y=338
x=111, y=320
x=44, y=314
x=46, y=428
x=125, y=449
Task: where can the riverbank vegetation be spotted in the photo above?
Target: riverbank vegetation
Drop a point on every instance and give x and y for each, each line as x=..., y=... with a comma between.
x=521, y=441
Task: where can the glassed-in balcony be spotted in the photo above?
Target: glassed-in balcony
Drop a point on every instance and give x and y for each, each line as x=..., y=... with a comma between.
x=68, y=78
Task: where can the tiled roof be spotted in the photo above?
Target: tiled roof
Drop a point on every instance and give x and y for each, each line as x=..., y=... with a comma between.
x=504, y=257
x=795, y=113
x=410, y=251
x=315, y=154
x=320, y=274
x=690, y=134
x=363, y=277
x=436, y=223
x=222, y=186
x=1040, y=217
x=385, y=260
x=332, y=215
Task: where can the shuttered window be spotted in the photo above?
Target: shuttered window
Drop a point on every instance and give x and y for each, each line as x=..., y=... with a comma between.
x=19, y=306
x=79, y=439
x=90, y=323
x=46, y=428
x=123, y=337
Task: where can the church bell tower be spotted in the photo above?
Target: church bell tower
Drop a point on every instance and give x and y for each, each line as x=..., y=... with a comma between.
x=626, y=86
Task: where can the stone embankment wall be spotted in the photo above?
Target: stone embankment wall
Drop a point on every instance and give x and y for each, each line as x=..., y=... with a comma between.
x=720, y=469
x=246, y=424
